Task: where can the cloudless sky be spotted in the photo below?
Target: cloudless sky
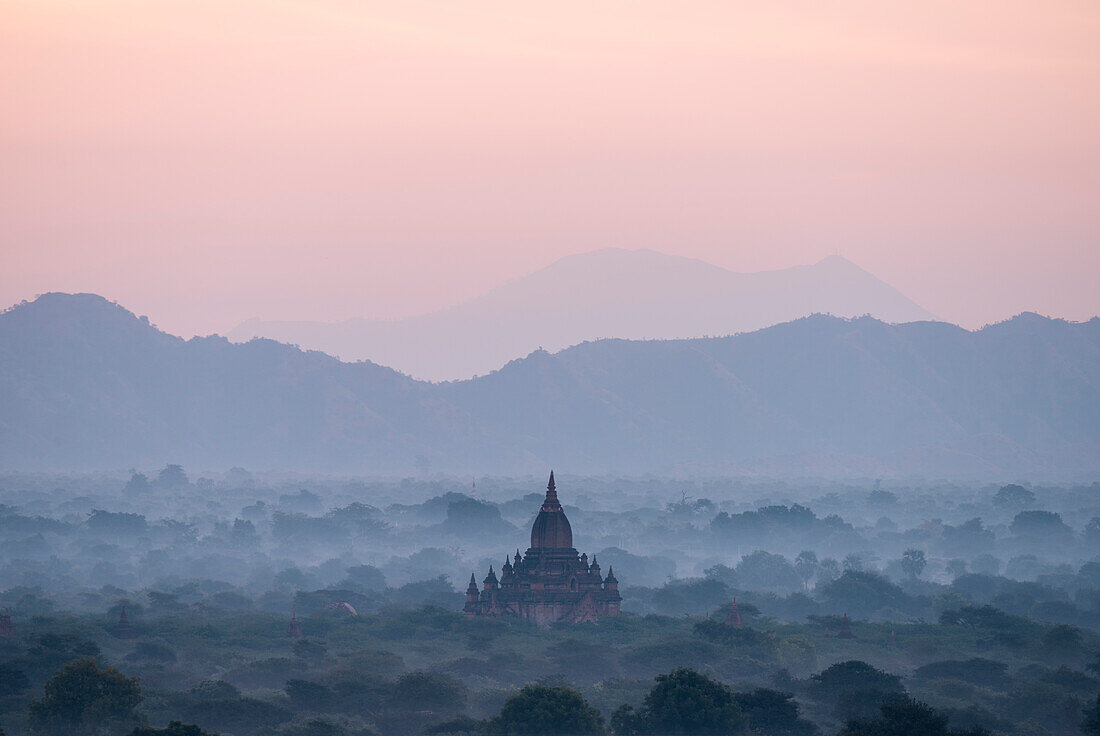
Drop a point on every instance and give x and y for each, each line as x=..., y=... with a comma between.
x=205, y=161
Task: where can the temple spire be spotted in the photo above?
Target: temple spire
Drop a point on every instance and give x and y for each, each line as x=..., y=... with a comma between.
x=551, y=503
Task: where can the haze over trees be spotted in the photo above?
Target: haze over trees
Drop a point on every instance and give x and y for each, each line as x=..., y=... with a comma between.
x=997, y=629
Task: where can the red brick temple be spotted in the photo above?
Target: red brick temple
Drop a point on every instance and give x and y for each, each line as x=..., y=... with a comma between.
x=551, y=582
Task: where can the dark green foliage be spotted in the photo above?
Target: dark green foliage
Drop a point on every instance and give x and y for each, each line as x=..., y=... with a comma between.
x=1063, y=640
x=906, y=717
x=695, y=596
x=306, y=695
x=175, y=728
x=861, y=594
x=683, y=702
x=979, y=671
x=767, y=571
x=1013, y=495
x=851, y=677
x=1090, y=720
x=436, y=591
x=309, y=650
x=147, y=651
x=457, y=726
x=13, y=680
x=773, y=713
x=1041, y=524
x=313, y=727
x=988, y=617
x=172, y=477
x=428, y=691
x=82, y=698
x=539, y=710
x=234, y=715
x=367, y=577
x=667, y=654
x=913, y=563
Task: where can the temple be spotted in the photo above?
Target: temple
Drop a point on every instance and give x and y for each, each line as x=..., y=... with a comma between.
x=551, y=582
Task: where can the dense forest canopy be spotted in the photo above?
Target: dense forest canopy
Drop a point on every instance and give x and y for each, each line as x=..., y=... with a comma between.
x=184, y=602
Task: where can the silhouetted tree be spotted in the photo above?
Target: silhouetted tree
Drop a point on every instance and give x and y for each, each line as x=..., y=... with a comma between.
x=913, y=563
x=82, y=699
x=539, y=710
x=906, y=717
x=806, y=564
x=138, y=485
x=1063, y=640
x=682, y=702
x=1013, y=495
x=772, y=713
x=172, y=477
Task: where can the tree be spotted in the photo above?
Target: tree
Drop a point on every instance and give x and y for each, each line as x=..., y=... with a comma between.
x=683, y=702
x=828, y=570
x=428, y=691
x=1014, y=496
x=172, y=477
x=772, y=713
x=1044, y=524
x=806, y=564
x=541, y=710
x=1092, y=531
x=138, y=485
x=913, y=563
x=906, y=717
x=310, y=650
x=956, y=568
x=82, y=698
x=768, y=571
x=13, y=680
x=852, y=676
x=1090, y=723
x=1063, y=640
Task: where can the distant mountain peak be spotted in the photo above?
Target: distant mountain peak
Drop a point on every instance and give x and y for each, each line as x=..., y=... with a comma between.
x=612, y=292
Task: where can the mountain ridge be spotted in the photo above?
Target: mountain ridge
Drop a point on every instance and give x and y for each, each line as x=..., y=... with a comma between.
x=84, y=383
x=611, y=292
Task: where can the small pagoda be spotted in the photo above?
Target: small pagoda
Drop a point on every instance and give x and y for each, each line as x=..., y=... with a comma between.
x=124, y=629
x=294, y=630
x=733, y=617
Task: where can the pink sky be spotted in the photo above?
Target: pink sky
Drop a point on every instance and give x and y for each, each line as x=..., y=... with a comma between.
x=207, y=161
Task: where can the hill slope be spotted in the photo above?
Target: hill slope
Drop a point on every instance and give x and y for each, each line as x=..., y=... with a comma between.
x=86, y=384
x=638, y=294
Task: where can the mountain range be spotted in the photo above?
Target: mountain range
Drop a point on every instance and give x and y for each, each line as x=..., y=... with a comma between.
x=631, y=294
x=85, y=384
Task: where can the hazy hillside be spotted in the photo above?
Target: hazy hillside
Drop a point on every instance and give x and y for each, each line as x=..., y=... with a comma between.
x=637, y=294
x=84, y=383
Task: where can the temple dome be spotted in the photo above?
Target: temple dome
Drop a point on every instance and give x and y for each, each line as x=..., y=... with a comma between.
x=551, y=529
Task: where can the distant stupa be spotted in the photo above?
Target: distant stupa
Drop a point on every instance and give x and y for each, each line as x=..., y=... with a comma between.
x=845, y=629
x=124, y=629
x=6, y=629
x=733, y=618
x=294, y=631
